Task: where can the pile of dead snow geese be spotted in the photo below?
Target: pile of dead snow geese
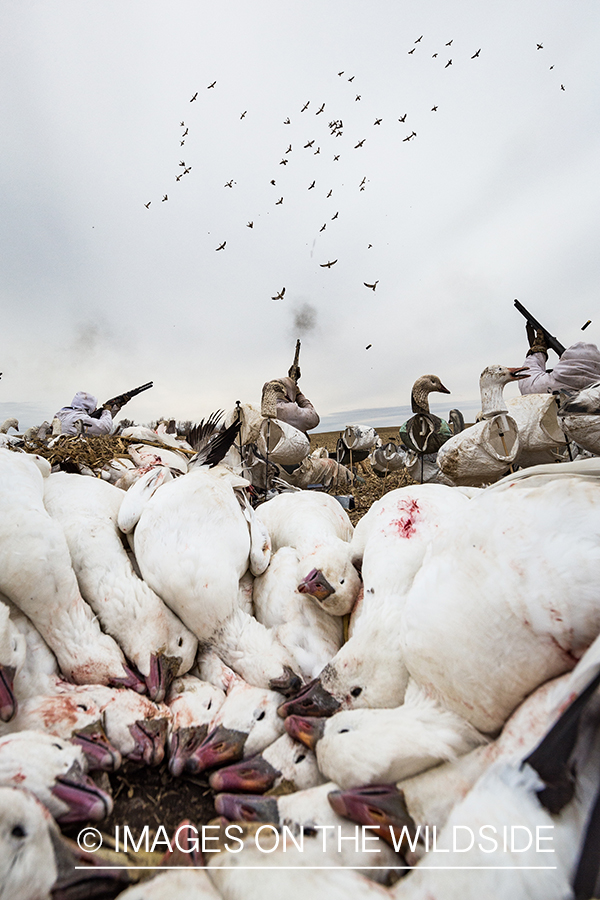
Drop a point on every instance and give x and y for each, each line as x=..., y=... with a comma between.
x=447, y=732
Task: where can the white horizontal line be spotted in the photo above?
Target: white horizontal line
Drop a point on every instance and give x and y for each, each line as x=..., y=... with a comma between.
x=307, y=868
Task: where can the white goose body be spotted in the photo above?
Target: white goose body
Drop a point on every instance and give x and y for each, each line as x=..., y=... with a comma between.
x=390, y=542
x=36, y=574
x=319, y=529
x=12, y=657
x=579, y=418
x=193, y=884
x=509, y=598
x=310, y=635
x=145, y=628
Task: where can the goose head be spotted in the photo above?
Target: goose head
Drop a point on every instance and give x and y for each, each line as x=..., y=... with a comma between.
x=246, y=723
x=193, y=704
x=331, y=579
x=36, y=862
x=423, y=386
x=491, y=386
x=282, y=762
x=9, y=423
x=379, y=806
x=55, y=771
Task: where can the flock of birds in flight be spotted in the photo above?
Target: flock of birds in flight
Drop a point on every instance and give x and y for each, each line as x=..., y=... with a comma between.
x=336, y=128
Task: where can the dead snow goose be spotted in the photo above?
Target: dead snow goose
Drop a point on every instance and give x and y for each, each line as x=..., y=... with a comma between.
x=55, y=771
x=36, y=574
x=282, y=764
x=148, y=632
x=319, y=529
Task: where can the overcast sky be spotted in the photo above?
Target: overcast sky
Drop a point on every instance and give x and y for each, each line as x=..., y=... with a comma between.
x=495, y=197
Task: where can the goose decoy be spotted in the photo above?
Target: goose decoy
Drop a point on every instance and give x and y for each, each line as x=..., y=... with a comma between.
x=424, y=432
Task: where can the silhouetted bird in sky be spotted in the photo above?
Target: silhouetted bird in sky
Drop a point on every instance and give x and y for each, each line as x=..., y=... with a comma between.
x=287, y=121
x=562, y=87
x=181, y=143
x=185, y=132
x=194, y=97
x=272, y=181
x=329, y=264
x=419, y=39
x=179, y=177
x=403, y=119
x=165, y=198
x=289, y=149
x=368, y=347
x=283, y=162
x=434, y=109
x=540, y=46
x=341, y=73
x=323, y=227
x=449, y=63
x=243, y=114
x=320, y=110
x=181, y=162
x=360, y=143
x=357, y=97
x=433, y=55
x=228, y=183
x=335, y=158
x=377, y=122
x=249, y=224
x=335, y=217
x=329, y=194
x=475, y=55
x=449, y=44
x=351, y=79
x=305, y=107
x=279, y=296
x=189, y=169
x=279, y=202
x=309, y=144
x=411, y=51
x=311, y=186
x=318, y=150
x=182, y=124
x=222, y=246
x=211, y=85
x=372, y=286
x=147, y=205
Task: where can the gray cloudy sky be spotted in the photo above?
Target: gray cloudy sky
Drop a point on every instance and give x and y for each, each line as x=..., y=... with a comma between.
x=496, y=197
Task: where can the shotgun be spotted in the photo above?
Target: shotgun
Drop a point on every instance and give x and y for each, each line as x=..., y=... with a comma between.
x=294, y=370
x=552, y=342
x=116, y=403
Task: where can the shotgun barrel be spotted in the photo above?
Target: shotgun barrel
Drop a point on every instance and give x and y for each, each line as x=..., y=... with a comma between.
x=118, y=402
x=552, y=342
x=294, y=370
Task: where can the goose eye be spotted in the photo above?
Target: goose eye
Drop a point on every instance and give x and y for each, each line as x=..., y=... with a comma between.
x=301, y=757
x=209, y=704
x=18, y=832
x=356, y=691
x=180, y=642
x=341, y=580
x=260, y=716
x=343, y=730
x=82, y=706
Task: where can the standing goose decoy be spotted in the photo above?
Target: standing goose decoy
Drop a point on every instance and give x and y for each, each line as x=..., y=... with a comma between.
x=483, y=453
x=424, y=433
x=36, y=574
x=149, y=633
